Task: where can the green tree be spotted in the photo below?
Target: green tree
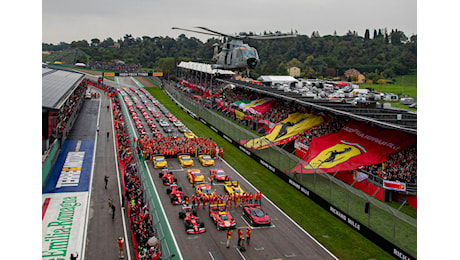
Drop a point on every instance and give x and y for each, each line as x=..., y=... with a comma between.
x=109, y=42
x=167, y=66
x=397, y=37
x=367, y=35
x=79, y=44
x=95, y=42
x=294, y=63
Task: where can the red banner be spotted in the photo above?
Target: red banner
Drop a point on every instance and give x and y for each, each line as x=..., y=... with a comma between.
x=357, y=144
x=393, y=185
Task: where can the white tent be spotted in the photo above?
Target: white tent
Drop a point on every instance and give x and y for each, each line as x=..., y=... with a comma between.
x=203, y=67
x=274, y=80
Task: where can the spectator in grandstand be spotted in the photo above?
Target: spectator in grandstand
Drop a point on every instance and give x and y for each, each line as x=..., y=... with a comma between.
x=69, y=107
x=117, y=66
x=401, y=166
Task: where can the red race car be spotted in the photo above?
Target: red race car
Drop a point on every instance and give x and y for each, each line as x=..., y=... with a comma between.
x=167, y=178
x=205, y=190
x=192, y=223
x=176, y=194
x=221, y=217
x=219, y=174
x=255, y=215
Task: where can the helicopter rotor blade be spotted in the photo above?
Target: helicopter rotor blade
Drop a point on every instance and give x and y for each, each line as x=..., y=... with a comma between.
x=269, y=37
x=209, y=30
x=188, y=30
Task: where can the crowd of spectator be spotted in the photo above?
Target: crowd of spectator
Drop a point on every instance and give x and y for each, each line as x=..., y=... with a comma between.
x=139, y=218
x=279, y=111
x=401, y=167
x=114, y=66
x=332, y=124
x=172, y=146
x=69, y=107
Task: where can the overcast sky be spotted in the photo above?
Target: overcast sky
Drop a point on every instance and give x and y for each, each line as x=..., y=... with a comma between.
x=87, y=19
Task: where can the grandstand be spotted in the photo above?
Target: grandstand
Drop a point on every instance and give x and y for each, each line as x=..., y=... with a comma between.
x=346, y=190
x=370, y=112
x=62, y=93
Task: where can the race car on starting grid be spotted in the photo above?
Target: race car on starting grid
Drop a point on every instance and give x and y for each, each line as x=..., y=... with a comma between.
x=167, y=177
x=176, y=195
x=183, y=129
x=192, y=223
x=189, y=134
x=205, y=190
x=221, y=217
x=185, y=160
x=156, y=114
x=233, y=187
x=255, y=215
x=195, y=176
x=159, y=162
x=219, y=174
x=206, y=160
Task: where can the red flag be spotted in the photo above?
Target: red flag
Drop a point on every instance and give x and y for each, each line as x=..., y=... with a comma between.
x=393, y=185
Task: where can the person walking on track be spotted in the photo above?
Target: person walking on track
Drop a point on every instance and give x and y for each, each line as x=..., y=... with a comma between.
x=229, y=236
x=113, y=211
x=108, y=133
x=248, y=236
x=106, y=180
x=240, y=237
x=120, y=247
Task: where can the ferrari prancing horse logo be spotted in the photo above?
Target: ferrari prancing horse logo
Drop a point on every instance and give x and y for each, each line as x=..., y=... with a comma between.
x=334, y=155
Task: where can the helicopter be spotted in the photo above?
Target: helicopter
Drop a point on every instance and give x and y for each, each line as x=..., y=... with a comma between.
x=234, y=54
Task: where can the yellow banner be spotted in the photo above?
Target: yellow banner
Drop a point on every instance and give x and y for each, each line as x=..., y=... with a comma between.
x=108, y=74
x=239, y=114
x=293, y=125
x=332, y=156
x=157, y=74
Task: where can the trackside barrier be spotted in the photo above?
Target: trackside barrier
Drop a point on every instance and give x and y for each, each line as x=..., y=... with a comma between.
x=51, y=157
x=168, y=247
x=197, y=112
